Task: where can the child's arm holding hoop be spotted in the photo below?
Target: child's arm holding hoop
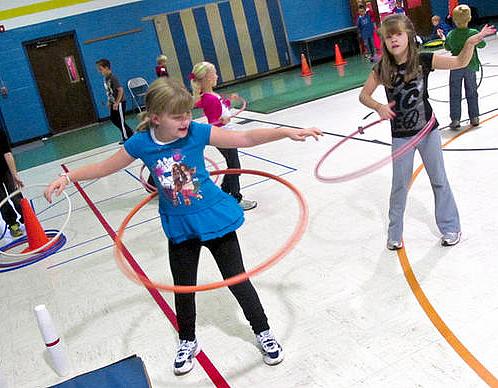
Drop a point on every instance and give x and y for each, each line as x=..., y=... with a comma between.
x=462, y=60
x=116, y=162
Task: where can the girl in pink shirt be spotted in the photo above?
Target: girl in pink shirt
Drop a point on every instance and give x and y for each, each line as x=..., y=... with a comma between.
x=217, y=111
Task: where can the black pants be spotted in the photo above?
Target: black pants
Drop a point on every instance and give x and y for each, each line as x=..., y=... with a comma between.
x=8, y=213
x=231, y=183
x=184, y=260
x=118, y=119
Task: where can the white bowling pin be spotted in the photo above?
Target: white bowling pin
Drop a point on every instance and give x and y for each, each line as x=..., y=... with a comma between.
x=53, y=342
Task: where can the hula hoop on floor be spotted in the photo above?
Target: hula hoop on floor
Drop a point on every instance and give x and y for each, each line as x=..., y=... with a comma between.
x=374, y=166
x=58, y=244
x=57, y=235
x=148, y=187
x=281, y=252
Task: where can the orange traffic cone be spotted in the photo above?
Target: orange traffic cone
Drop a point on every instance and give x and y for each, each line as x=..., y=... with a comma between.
x=34, y=231
x=338, y=56
x=305, y=69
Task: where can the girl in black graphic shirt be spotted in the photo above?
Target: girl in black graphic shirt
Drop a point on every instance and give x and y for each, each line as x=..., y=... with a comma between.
x=404, y=73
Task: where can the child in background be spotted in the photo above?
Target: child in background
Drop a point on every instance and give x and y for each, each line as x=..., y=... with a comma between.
x=11, y=180
x=398, y=8
x=217, y=111
x=455, y=42
x=161, y=69
x=404, y=72
x=116, y=98
x=439, y=28
x=169, y=142
x=366, y=30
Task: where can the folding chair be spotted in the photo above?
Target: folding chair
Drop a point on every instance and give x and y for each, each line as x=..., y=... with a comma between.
x=138, y=87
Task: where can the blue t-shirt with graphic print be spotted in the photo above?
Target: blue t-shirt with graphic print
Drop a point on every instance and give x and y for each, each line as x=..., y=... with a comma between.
x=190, y=204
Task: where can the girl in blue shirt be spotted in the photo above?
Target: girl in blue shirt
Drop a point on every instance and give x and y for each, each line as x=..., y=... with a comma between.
x=194, y=211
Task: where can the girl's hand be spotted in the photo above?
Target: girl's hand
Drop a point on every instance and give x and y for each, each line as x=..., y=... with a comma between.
x=224, y=120
x=17, y=181
x=234, y=96
x=300, y=134
x=486, y=30
x=385, y=111
x=57, y=185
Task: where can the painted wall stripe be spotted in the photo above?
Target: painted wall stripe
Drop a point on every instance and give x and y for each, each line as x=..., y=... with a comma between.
x=243, y=37
x=268, y=37
x=191, y=36
x=167, y=47
x=278, y=31
x=38, y=7
x=181, y=46
x=220, y=43
x=232, y=39
x=254, y=27
x=205, y=38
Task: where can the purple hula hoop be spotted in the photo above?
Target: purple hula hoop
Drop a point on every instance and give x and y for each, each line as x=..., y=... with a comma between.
x=374, y=166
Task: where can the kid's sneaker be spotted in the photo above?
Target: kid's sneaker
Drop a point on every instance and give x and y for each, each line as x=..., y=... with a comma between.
x=184, y=361
x=450, y=238
x=271, y=349
x=246, y=204
x=393, y=245
x=15, y=230
x=455, y=125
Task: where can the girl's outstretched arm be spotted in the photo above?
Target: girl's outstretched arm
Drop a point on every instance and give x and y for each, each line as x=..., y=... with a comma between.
x=223, y=138
x=462, y=59
x=116, y=162
x=384, y=110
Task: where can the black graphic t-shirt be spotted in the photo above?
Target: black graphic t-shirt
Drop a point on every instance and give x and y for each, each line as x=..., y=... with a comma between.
x=412, y=108
x=111, y=86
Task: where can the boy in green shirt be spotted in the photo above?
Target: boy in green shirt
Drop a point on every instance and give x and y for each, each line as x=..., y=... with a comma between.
x=454, y=43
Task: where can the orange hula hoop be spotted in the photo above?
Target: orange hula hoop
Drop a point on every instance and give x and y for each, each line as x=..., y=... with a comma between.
x=277, y=256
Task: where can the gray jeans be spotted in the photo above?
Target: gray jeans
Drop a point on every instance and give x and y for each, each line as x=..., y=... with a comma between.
x=469, y=78
x=447, y=218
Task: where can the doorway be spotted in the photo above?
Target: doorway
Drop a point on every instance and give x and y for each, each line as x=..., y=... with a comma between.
x=61, y=81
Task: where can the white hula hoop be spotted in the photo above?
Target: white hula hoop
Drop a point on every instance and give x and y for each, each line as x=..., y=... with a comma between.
x=53, y=238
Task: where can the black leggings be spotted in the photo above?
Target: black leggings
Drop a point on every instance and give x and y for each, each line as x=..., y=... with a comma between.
x=230, y=183
x=184, y=260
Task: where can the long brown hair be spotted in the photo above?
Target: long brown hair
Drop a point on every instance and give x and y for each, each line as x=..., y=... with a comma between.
x=387, y=66
x=164, y=96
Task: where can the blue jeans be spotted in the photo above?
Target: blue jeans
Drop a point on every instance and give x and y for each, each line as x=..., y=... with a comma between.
x=369, y=44
x=447, y=218
x=469, y=78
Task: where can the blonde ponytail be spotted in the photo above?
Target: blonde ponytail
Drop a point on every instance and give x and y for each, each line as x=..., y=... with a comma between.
x=197, y=78
x=143, y=121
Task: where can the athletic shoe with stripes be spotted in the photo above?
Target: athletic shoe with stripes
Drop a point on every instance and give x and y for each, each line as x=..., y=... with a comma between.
x=184, y=360
x=270, y=348
x=450, y=238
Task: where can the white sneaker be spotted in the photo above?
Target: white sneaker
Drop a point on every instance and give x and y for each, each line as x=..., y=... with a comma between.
x=450, y=238
x=393, y=245
x=245, y=204
x=271, y=349
x=184, y=361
